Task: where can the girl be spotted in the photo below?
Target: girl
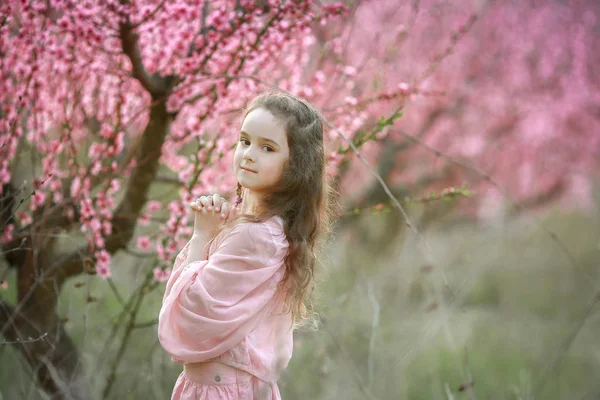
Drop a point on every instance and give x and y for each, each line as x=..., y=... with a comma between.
x=240, y=286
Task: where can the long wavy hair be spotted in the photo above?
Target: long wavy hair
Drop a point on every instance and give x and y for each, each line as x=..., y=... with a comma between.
x=303, y=198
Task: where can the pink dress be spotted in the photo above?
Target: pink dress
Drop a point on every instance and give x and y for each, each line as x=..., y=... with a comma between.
x=223, y=319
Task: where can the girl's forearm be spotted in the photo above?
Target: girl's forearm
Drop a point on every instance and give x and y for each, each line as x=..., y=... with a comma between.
x=197, y=250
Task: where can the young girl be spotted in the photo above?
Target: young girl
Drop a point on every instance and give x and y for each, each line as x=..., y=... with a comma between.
x=240, y=286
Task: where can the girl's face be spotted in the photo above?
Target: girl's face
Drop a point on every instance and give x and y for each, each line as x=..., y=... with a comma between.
x=261, y=152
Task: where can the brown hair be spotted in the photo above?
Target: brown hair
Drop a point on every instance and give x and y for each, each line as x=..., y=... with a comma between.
x=303, y=198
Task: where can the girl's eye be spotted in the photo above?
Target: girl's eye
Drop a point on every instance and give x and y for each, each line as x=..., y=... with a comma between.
x=245, y=142
x=268, y=148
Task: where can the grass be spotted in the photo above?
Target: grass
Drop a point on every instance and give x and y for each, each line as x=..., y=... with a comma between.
x=514, y=300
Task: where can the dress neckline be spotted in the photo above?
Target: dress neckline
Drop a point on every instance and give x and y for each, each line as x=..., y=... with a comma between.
x=278, y=219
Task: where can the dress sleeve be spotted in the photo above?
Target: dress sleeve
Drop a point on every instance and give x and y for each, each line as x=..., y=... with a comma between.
x=177, y=267
x=212, y=305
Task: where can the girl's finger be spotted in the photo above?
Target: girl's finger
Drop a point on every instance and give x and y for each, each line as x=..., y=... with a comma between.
x=206, y=202
x=225, y=210
x=216, y=199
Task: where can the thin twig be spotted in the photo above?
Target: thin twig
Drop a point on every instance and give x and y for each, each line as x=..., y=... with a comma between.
x=126, y=337
x=357, y=377
x=29, y=340
x=147, y=324
x=549, y=367
x=374, y=326
x=116, y=292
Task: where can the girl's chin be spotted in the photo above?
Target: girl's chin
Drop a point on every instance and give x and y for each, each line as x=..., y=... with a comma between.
x=246, y=185
x=256, y=189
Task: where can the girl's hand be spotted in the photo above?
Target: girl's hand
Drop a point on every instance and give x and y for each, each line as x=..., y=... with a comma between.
x=209, y=212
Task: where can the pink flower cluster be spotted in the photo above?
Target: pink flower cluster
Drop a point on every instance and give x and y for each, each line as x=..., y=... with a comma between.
x=507, y=88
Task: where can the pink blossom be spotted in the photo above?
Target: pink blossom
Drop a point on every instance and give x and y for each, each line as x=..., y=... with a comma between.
x=7, y=234
x=114, y=185
x=96, y=167
x=106, y=227
x=404, y=87
x=95, y=224
x=96, y=150
x=160, y=250
x=38, y=198
x=154, y=206
x=186, y=173
x=103, y=270
x=4, y=175
x=143, y=243
x=144, y=219
x=508, y=115
x=349, y=70
x=161, y=275
x=106, y=131
x=103, y=260
x=24, y=218
x=351, y=100
x=75, y=186
x=175, y=209
x=103, y=257
x=99, y=241
x=87, y=208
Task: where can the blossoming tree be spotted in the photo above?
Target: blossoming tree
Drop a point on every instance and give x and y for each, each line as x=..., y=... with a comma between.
x=99, y=96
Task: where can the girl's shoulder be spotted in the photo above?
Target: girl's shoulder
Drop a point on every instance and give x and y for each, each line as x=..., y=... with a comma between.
x=265, y=239
x=271, y=228
x=264, y=234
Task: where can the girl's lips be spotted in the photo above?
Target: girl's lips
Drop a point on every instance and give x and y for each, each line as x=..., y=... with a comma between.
x=246, y=169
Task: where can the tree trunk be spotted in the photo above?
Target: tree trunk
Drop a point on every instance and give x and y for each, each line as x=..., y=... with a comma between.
x=41, y=274
x=50, y=353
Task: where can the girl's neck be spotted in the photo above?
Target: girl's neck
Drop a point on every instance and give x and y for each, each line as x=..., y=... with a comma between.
x=249, y=202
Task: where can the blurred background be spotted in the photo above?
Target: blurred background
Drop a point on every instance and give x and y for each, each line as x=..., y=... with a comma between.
x=475, y=277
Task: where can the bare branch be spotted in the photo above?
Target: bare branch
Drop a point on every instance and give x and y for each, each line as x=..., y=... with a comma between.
x=201, y=31
x=151, y=15
x=517, y=204
x=30, y=340
x=147, y=324
x=374, y=326
x=357, y=377
x=127, y=336
x=116, y=292
x=549, y=367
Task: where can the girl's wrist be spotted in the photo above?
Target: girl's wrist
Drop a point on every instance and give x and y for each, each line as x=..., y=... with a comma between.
x=197, y=250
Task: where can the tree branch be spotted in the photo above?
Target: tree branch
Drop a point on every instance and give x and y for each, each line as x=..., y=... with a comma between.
x=53, y=357
x=129, y=41
x=147, y=159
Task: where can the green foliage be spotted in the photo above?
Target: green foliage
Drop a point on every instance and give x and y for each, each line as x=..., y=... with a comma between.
x=362, y=137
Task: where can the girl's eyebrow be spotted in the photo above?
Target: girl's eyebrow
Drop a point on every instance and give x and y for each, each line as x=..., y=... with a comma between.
x=264, y=139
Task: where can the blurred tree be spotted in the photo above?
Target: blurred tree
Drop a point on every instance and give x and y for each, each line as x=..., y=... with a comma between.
x=99, y=95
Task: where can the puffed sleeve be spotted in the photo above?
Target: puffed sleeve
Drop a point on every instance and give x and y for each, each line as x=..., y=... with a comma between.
x=177, y=268
x=211, y=305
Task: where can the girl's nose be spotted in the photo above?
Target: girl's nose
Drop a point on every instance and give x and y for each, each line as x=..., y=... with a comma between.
x=249, y=154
